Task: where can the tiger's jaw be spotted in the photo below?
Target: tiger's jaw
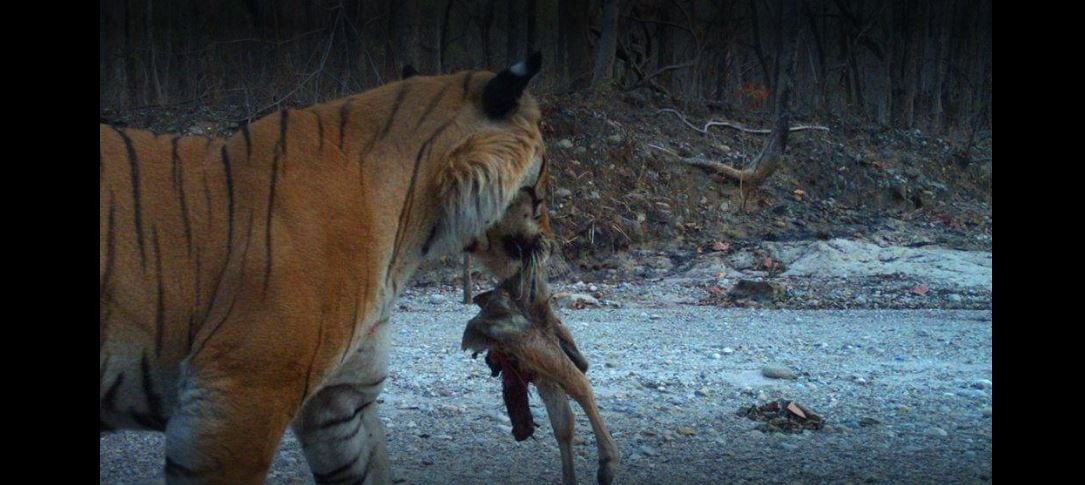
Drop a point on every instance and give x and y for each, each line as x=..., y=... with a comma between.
x=519, y=245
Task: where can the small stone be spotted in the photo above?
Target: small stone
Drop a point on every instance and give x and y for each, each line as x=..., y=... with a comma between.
x=686, y=430
x=716, y=356
x=936, y=431
x=565, y=143
x=703, y=392
x=615, y=138
x=755, y=434
x=647, y=450
x=778, y=372
x=789, y=446
x=987, y=411
x=728, y=350
x=868, y=421
x=436, y=298
x=981, y=384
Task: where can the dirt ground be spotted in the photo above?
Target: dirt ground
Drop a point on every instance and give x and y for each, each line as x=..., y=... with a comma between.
x=905, y=394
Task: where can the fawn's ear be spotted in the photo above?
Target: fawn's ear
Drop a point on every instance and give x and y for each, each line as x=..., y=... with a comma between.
x=482, y=299
x=574, y=354
x=545, y=310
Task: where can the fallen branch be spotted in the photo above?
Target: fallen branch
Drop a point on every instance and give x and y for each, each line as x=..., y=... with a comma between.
x=741, y=175
x=736, y=126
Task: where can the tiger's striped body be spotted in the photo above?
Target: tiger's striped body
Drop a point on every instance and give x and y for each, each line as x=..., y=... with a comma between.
x=246, y=284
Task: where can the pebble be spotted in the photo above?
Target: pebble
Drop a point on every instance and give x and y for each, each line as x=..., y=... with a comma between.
x=778, y=372
x=703, y=392
x=981, y=384
x=728, y=350
x=789, y=446
x=936, y=431
x=686, y=430
x=436, y=298
x=716, y=356
x=647, y=450
x=987, y=411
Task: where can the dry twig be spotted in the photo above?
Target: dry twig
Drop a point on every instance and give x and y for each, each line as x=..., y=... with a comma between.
x=736, y=126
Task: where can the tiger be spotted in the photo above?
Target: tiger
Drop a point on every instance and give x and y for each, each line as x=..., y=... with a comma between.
x=246, y=283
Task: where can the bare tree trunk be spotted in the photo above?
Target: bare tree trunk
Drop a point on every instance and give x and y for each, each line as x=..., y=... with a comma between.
x=401, y=47
x=514, y=34
x=941, y=59
x=442, y=43
x=605, y=57
x=467, y=284
x=484, y=32
x=532, y=12
x=573, y=24
x=664, y=45
x=160, y=96
x=912, y=67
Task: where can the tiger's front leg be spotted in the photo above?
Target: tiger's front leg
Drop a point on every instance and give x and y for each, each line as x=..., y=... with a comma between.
x=340, y=433
x=228, y=425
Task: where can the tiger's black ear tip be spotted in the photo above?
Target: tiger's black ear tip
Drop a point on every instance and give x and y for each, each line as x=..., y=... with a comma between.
x=409, y=71
x=503, y=92
x=534, y=63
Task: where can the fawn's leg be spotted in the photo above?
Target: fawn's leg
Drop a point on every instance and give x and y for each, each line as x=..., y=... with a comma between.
x=609, y=456
x=561, y=419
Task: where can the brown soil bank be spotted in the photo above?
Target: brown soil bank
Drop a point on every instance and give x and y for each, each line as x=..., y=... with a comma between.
x=620, y=182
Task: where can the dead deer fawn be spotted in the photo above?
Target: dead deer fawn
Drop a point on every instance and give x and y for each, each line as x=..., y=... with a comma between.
x=528, y=343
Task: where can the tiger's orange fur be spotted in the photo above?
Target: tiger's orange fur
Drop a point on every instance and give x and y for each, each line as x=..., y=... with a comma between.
x=246, y=284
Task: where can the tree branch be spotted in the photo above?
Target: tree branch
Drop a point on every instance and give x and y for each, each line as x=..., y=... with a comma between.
x=736, y=126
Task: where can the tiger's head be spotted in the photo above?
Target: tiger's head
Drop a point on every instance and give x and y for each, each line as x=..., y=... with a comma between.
x=516, y=238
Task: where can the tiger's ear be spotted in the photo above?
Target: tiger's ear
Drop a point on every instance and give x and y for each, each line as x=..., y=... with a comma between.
x=408, y=71
x=502, y=93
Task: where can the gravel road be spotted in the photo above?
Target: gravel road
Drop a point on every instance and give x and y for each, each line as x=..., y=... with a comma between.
x=906, y=396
